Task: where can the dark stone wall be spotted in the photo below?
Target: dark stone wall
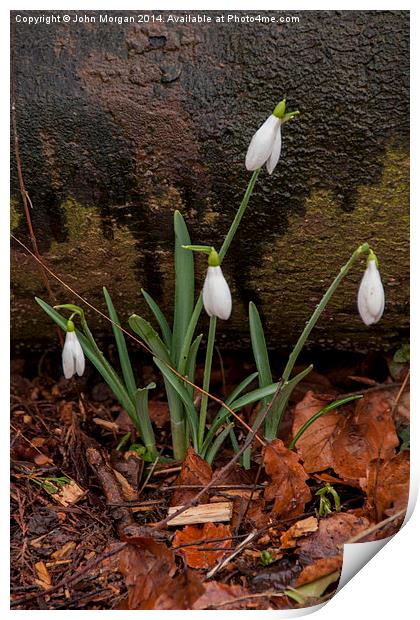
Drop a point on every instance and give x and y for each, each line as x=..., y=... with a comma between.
x=121, y=124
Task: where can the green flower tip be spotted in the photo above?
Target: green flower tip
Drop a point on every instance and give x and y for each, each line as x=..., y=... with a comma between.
x=372, y=256
x=70, y=326
x=280, y=109
x=214, y=260
x=280, y=112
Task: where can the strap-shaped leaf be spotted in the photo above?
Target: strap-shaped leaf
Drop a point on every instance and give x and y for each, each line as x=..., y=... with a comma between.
x=150, y=336
x=142, y=410
x=98, y=360
x=184, y=286
x=259, y=346
x=215, y=447
x=160, y=318
x=191, y=364
x=126, y=367
x=185, y=397
x=223, y=414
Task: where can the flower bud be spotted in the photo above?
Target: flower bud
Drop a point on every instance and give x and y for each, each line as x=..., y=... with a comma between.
x=72, y=356
x=216, y=294
x=371, y=296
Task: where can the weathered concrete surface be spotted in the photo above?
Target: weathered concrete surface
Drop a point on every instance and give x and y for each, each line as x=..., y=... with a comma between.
x=120, y=125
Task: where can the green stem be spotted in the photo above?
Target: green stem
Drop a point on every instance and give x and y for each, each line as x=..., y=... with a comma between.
x=334, y=405
x=324, y=301
x=206, y=379
x=239, y=215
x=222, y=253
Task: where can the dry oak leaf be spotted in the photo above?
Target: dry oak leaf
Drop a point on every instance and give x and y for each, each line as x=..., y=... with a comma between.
x=288, y=485
x=315, y=445
x=288, y=539
x=194, y=471
x=333, y=531
x=387, y=486
x=209, y=536
x=222, y=595
x=182, y=593
x=148, y=568
x=368, y=434
x=320, y=568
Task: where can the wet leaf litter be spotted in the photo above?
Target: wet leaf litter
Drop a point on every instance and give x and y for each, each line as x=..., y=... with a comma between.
x=102, y=549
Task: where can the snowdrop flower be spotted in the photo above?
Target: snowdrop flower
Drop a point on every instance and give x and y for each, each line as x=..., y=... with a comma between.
x=371, y=296
x=73, y=357
x=216, y=294
x=265, y=146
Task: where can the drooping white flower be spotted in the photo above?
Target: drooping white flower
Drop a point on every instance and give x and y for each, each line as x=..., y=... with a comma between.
x=265, y=146
x=371, y=296
x=216, y=294
x=72, y=356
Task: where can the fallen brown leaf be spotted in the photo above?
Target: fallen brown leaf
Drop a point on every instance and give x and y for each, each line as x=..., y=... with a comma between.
x=194, y=556
x=387, y=486
x=318, y=569
x=287, y=487
x=369, y=434
x=315, y=445
x=333, y=531
x=184, y=591
x=221, y=594
x=194, y=471
x=306, y=526
x=148, y=568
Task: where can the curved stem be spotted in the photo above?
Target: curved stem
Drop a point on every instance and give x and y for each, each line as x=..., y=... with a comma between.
x=317, y=415
x=324, y=301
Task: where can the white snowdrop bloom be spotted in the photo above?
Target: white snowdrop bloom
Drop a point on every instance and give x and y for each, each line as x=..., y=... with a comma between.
x=265, y=146
x=73, y=356
x=371, y=296
x=216, y=294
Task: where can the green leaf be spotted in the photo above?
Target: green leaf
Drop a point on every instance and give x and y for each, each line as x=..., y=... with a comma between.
x=214, y=449
x=142, y=410
x=223, y=414
x=146, y=332
x=253, y=396
x=159, y=316
x=312, y=590
x=192, y=417
x=98, y=360
x=126, y=367
x=259, y=346
x=402, y=355
x=191, y=363
x=184, y=286
x=334, y=405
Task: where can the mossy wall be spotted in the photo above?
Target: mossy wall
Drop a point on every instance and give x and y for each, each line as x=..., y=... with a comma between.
x=120, y=125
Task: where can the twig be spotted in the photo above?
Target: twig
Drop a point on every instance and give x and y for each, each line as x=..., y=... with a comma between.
x=222, y=472
x=23, y=192
x=64, y=583
x=246, y=597
x=375, y=527
x=145, y=347
x=227, y=559
x=400, y=393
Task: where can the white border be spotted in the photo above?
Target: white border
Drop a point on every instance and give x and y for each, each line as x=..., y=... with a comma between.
x=387, y=587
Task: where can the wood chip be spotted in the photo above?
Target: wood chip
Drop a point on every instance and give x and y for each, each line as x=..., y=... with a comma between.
x=69, y=494
x=204, y=513
x=44, y=579
x=63, y=551
x=111, y=426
